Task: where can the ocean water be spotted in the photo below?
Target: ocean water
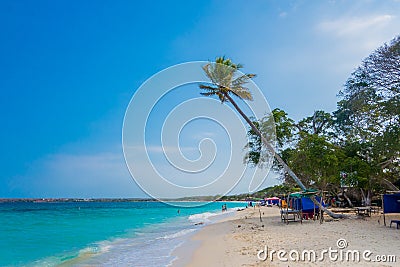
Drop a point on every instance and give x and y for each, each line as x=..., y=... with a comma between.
x=98, y=233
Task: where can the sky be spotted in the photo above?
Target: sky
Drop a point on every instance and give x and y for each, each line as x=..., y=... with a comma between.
x=68, y=71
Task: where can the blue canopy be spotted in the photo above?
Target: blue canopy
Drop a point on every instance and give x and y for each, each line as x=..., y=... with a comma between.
x=306, y=204
x=391, y=203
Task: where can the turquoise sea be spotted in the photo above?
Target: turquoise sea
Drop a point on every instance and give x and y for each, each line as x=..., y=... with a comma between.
x=98, y=233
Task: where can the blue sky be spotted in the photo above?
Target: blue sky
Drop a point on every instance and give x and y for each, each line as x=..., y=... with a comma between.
x=69, y=69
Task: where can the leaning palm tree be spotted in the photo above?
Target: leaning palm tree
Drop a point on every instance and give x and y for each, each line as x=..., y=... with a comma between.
x=225, y=83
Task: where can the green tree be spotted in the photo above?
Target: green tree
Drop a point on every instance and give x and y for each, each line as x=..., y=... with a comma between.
x=357, y=171
x=320, y=123
x=304, y=145
x=285, y=127
x=284, y=133
x=371, y=96
x=370, y=99
x=316, y=161
x=368, y=113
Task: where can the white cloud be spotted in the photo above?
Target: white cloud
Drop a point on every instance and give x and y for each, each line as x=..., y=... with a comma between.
x=352, y=38
x=283, y=14
x=355, y=25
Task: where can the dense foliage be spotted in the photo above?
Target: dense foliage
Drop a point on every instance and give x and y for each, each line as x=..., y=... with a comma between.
x=355, y=147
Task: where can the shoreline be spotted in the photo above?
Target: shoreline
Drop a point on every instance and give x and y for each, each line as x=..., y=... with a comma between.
x=236, y=241
x=184, y=253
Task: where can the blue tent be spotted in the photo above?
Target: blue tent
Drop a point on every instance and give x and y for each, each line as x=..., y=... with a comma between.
x=308, y=205
x=391, y=204
x=305, y=204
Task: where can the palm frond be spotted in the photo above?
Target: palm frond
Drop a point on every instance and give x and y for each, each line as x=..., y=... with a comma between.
x=241, y=80
x=208, y=87
x=219, y=74
x=222, y=75
x=227, y=62
x=239, y=90
x=209, y=93
x=208, y=72
x=243, y=93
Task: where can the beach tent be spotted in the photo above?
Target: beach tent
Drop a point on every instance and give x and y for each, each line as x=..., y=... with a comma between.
x=302, y=201
x=391, y=204
x=307, y=205
x=272, y=200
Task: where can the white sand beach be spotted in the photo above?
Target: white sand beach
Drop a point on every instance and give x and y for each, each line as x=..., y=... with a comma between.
x=237, y=240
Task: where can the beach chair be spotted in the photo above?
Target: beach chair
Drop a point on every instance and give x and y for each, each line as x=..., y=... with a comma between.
x=291, y=213
x=397, y=222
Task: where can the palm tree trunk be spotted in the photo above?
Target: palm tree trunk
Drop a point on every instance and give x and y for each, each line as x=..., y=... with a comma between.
x=266, y=143
x=279, y=159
